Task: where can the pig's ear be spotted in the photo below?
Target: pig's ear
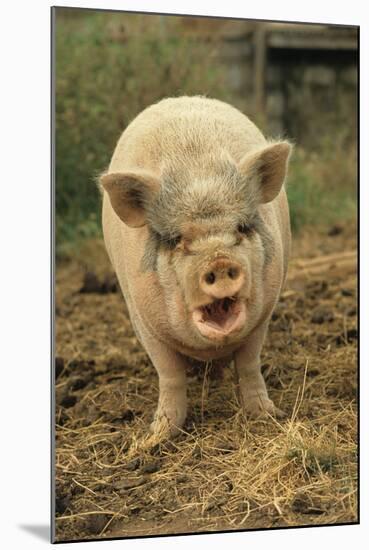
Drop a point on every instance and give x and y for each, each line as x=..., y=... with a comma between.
x=130, y=193
x=268, y=167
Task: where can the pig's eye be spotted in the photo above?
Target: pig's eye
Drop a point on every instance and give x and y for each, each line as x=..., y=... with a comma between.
x=245, y=229
x=173, y=241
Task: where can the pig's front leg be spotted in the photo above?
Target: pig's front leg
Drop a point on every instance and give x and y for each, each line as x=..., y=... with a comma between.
x=172, y=406
x=252, y=389
x=171, y=368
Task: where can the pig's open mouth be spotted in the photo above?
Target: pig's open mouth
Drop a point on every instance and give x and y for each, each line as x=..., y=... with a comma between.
x=220, y=318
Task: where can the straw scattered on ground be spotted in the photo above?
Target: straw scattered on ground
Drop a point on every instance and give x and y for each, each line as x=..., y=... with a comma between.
x=223, y=472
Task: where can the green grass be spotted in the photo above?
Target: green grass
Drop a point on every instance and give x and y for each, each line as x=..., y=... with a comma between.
x=321, y=187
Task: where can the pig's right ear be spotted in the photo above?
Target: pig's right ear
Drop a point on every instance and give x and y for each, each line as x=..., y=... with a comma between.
x=130, y=193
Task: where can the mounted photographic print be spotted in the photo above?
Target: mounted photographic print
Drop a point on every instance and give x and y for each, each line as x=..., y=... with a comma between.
x=205, y=335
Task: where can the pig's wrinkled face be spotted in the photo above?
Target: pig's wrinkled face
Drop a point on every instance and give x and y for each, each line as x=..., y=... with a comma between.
x=211, y=276
x=209, y=245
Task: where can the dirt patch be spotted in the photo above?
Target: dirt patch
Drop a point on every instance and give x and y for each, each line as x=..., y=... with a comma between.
x=223, y=472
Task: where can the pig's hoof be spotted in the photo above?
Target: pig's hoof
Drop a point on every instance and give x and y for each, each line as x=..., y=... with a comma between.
x=262, y=408
x=162, y=428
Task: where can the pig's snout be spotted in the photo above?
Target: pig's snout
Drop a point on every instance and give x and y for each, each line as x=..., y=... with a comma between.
x=222, y=278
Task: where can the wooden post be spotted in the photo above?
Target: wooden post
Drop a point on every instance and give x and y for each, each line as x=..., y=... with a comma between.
x=260, y=66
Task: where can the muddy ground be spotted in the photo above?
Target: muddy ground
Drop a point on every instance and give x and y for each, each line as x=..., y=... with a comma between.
x=224, y=472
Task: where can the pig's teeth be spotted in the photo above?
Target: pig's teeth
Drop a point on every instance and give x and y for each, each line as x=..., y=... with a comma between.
x=219, y=310
x=227, y=304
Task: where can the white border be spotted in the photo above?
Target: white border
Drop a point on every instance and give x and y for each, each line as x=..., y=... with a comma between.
x=25, y=271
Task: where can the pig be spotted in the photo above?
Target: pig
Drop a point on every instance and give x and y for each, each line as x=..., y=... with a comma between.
x=196, y=225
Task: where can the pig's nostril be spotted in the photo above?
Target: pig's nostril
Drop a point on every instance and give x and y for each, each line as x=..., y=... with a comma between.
x=233, y=272
x=210, y=278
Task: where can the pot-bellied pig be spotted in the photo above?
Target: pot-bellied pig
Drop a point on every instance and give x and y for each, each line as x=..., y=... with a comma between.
x=196, y=225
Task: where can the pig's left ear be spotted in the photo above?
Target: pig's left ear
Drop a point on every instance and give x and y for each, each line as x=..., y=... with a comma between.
x=130, y=193
x=268, y=167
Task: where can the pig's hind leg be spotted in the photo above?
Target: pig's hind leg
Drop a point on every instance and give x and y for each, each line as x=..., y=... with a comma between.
x=252, y=389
